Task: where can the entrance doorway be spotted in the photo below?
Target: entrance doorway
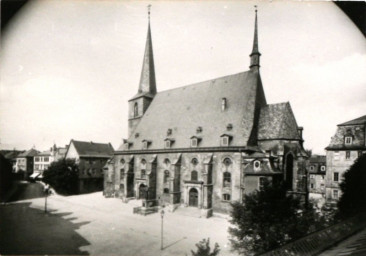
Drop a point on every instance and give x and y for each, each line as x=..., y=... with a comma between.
x=193, y=197
x=142, y=191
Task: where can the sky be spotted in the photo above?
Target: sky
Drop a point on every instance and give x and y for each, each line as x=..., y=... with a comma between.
x=68, y=68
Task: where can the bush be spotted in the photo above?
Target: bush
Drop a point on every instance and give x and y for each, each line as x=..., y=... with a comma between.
x=63, y=175
x=204, y=249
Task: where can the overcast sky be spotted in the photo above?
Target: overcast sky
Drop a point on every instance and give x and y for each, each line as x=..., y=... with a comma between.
x=69, y=67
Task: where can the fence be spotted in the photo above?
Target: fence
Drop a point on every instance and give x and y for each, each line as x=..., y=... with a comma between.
x=321, y=240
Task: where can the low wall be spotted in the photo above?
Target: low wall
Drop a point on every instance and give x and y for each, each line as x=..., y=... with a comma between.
x=316, y=242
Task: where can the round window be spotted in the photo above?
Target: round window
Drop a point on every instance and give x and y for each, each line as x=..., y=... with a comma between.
x=257, y=164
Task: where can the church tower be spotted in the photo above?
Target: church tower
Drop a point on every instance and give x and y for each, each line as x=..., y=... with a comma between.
x=255, y=55
x=138, y=104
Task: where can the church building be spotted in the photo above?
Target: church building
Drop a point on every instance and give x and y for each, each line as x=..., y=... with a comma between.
x=207, y=144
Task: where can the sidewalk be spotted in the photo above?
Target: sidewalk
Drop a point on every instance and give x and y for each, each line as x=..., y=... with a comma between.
x=112, y=229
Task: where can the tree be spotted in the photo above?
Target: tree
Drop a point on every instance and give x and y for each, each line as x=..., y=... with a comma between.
x=63, y=176
x=204, y=249
x=268, y=219
x=353, y=186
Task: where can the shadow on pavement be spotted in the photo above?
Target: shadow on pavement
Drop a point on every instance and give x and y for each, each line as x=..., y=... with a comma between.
x=27, y=191
x=171, y=244
x=26, y=231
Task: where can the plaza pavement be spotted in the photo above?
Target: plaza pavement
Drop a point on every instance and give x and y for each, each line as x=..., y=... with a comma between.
x=110, y=228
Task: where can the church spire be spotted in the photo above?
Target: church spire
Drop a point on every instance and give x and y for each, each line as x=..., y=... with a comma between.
x=147, y=80
x=254, y=56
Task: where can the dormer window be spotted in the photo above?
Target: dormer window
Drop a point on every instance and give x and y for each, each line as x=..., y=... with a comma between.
x=169, y=132
x=168, y=143
x=199, y=129
x=229, y=127
x=194, y=141
x=348, y=140
x=223, y=104
x=225, y=140
x=137, y=135
x=145, y=144
x=257, y=165
x=128, y=145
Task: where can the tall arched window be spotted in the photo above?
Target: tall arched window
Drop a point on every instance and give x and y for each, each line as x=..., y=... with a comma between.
x=227, y=179
x=194, y=176
x=166, y=176
x=289, y=170
x=135, y=110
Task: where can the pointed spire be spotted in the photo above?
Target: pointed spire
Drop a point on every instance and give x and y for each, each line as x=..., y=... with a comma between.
x=147, y=80
x=254, y=56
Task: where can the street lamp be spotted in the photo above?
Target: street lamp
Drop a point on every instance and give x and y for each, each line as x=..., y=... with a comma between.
x=162, y=218
x=46, y=190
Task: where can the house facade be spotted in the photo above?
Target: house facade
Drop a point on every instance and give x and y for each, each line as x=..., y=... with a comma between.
x=90, y=157
x=24, y=162
x=317, y=172
x=44, y=159
x=207, y=144
x=348, y=143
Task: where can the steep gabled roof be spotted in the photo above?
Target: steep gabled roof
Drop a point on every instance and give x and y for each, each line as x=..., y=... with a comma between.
x=29, y=153
x=360, y=120
x=277, y=121
x=185, y=109
x=92, y=149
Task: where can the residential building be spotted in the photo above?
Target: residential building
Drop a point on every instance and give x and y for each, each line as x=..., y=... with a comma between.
x=207, y=144
x=317, y=171
x=44, y=159
x=90, y=157
x=12, y=155
x=345, y=147
x=24, y=162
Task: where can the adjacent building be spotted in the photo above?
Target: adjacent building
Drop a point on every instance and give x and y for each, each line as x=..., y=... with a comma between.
x=44, y=159
x=207, y=144
x=348, y=143
x=24, y=162
x=90, y=157
x=317, y=172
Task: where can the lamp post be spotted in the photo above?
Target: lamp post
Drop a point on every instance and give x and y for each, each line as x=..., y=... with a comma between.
x=162, y=220
x=46, y=190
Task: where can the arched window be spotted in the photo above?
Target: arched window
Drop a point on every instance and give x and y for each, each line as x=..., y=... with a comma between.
x=135, y=110
x=166, y=176
x=289, y=171
x=194, y=176
x=227, y=179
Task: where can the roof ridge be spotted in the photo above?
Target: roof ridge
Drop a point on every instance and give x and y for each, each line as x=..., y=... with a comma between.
x=205, y=81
